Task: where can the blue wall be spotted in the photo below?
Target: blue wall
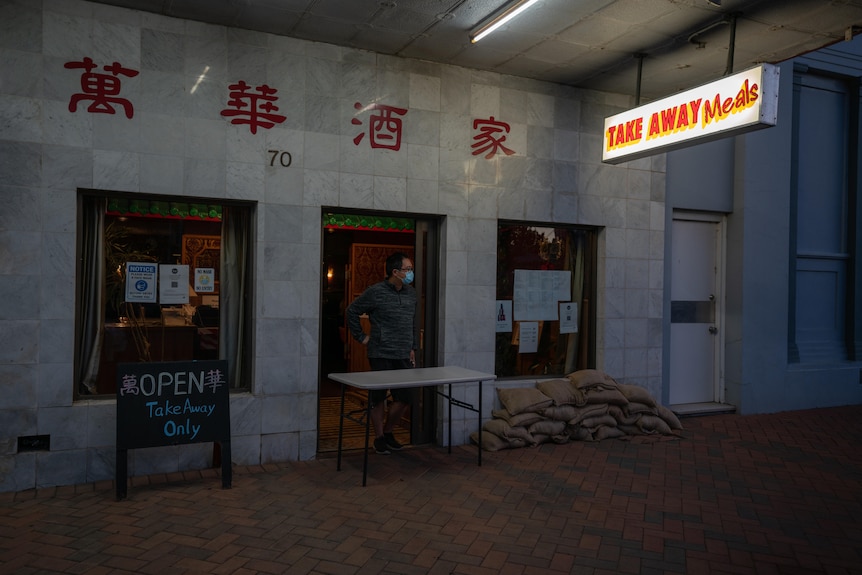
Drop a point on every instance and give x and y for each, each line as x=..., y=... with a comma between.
x=749, y=178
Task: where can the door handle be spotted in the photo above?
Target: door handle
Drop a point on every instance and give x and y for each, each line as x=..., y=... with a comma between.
x=713, y=330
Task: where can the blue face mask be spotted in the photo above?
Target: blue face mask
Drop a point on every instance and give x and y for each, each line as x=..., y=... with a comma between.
x=408, y=278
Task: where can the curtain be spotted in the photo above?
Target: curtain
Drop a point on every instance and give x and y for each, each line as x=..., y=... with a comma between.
x=91, y=282
x=575, y=262
x=234, y=292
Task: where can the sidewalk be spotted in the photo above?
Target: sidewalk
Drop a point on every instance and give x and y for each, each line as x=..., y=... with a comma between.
x=778, y=493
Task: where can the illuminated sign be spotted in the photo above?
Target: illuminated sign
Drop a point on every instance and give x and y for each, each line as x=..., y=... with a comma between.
x=734, y=105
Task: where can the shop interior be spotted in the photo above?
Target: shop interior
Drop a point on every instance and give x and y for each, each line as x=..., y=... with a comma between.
x=185, y=328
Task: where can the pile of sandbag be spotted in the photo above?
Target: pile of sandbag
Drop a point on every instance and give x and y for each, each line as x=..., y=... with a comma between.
x=587, y=405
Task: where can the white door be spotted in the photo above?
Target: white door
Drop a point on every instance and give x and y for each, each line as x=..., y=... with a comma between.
x=695, y=297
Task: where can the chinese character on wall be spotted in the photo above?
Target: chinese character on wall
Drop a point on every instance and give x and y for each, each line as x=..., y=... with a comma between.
x=257, y=109
x=384, y=128
x=490, y=137
x=102, y=89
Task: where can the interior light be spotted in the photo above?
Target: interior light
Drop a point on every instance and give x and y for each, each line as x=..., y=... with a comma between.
x=499, y=18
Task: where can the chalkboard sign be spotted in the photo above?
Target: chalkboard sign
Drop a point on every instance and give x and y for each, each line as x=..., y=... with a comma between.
x=172, y=403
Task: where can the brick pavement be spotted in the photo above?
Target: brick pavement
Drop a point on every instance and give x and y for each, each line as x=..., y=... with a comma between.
x=779, y=493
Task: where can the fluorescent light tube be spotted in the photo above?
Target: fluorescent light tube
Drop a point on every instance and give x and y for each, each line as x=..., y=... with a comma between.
x=507, y=14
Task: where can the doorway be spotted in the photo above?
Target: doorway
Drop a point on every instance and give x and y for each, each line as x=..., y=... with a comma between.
x=354, y=248
x=696, y=297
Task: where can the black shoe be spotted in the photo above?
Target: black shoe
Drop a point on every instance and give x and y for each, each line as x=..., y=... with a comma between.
x=391, y=442
x=380, y=446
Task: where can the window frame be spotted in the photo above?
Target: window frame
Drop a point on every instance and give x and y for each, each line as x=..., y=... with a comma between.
x=236, y=323
x=802, y=347
x=582, y=343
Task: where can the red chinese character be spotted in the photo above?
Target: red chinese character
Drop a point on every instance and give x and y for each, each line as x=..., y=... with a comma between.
x=489, y=137
x=101, y=88
x=385, y=129
x=260, y=106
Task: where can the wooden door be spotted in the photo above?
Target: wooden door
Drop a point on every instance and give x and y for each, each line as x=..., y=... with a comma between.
x=367, y=266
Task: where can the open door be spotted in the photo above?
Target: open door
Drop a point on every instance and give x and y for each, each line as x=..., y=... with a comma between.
x=354, y=257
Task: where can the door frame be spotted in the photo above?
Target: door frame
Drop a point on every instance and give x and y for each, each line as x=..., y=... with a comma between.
x=428, y=254
x=720, y=221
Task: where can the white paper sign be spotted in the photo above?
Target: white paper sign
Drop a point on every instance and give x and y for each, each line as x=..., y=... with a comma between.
x=204, y=280
x=568, y=317
x=504, y=315
x=141, y=282
x=537, y=293
x=528, y=336
x=173, y=284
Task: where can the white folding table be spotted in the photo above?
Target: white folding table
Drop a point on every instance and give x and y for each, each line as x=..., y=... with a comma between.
x=417, y=377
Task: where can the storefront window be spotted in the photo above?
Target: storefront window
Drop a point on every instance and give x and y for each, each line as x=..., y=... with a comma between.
x=545, y=299
x=152, y=286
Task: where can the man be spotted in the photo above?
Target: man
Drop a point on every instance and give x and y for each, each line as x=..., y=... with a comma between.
x=392, y=343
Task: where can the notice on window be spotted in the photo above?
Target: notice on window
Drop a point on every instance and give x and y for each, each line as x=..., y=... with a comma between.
x=568, y=317
x=537, y=293
x=204, y=280
x=528, y=336
x=141, y=282
x=173, y=284
x=504, y=315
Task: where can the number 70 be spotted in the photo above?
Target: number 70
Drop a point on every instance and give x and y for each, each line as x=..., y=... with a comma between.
x=284, y=158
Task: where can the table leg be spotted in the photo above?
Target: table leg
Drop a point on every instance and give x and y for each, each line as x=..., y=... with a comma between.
x=367, y=425
x=340, y=427
x=481, y=383
x=450, y=418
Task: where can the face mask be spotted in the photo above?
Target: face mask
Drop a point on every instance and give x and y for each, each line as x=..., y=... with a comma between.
x=408, y=279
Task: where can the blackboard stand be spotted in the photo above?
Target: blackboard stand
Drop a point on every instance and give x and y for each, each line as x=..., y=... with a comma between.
x=122, y=471
x=172, y=403
x=121, y=474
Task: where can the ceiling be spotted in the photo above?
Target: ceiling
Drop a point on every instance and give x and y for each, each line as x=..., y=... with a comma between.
x=584, y=43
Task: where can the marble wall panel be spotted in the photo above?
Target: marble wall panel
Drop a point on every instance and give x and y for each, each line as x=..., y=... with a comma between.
x=67, y=467
x=178, y=143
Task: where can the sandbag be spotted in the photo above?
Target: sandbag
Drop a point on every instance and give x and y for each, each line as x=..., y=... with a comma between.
x=562, y=392
x=523, y=399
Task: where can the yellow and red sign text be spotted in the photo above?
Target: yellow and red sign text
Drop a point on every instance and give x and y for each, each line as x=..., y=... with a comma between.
x=735, y=104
